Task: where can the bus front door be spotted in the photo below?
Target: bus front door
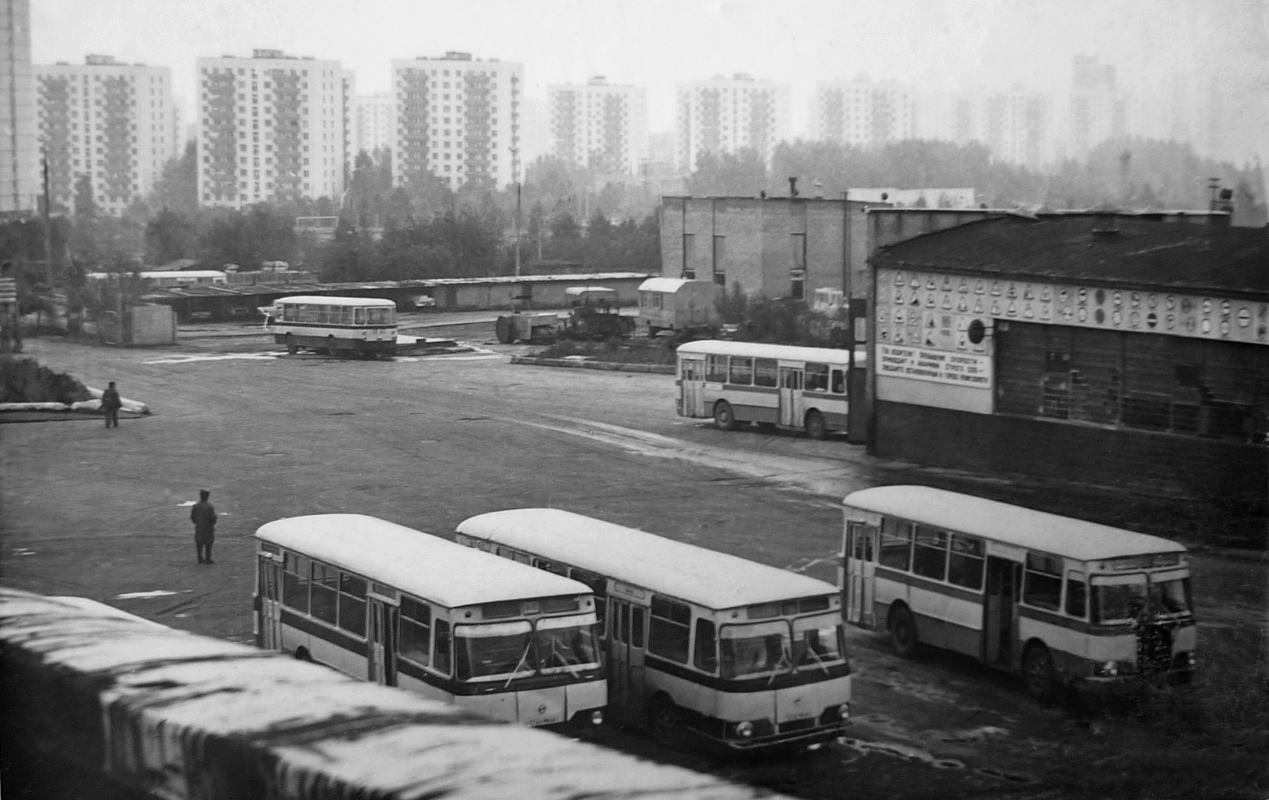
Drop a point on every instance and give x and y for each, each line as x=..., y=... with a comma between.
x=999, y=614
x=269, y=619
x=691, y=385
x=792, y=406
x=628, y=623
x=382, y=651
x=857, y=585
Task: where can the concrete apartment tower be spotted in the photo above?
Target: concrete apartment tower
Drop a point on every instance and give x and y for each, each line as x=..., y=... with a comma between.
x=725, y=115
x=271, y=128
x=600, y=125
x=19, y=143
x=458, y=118
x=107, y=129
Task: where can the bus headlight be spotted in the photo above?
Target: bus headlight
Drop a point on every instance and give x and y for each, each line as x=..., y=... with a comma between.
x=597, y=717
x=843, y=711
x=744, y=729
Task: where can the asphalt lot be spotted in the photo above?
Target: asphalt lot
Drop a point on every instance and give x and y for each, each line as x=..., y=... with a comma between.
x=430, y=441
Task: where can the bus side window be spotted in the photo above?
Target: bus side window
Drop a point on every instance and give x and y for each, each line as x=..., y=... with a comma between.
x=929, y=557
x=295, y=582
x=839, y=381
x=415, y=640
x=817, y=377
x=965, y=564
x=716, y=369
x=896, y=543
x=1076, y=595
x=352, y=604
x=706, y=658
x=764, y=372
x=1042, y=581
x=668, y=634
x=441, y=660
x=741, y=371
x=359, y=318
x=325, y=592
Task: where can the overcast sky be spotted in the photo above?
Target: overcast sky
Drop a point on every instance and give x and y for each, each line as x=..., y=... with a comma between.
x=939, y=44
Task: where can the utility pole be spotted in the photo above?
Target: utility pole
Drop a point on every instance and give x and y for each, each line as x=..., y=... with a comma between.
x=515, y=167
x=48, y=222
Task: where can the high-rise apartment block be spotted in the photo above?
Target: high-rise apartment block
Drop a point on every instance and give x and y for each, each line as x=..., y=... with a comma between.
x=1015, y=124
x=862, y=112
x=1098, y=109
x=271, y=128
x=107, y=129
x=725, y=115
x=600, y=125
x=19, y=145
x=458, y=119
x=374, y=118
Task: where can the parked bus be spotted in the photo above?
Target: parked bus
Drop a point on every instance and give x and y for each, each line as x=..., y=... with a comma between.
x=699, y=643
x=798, y=388
x=1056, y=599
x=363, y=325
x=401, y=607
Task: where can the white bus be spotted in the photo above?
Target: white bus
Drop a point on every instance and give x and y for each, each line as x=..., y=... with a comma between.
x=1056, y=599
x=363, y=325
x=800, y=388
x=401, y=607
x=700, y=644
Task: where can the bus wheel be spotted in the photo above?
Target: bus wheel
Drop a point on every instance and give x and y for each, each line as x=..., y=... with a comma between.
x=815, y=426
x=1037, y=673
x=724, y=417
x=291, y=347
x=330, y=346
x=903, y=633
x=301, y=654
x=665, y=722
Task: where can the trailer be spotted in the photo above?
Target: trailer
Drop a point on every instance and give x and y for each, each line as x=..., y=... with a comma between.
x=689, y=308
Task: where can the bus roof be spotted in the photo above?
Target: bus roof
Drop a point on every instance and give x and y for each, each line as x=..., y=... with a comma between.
x=420, y=563
x=707, y=577
x=327, y=300
x=788, y=352
x=1024, y=527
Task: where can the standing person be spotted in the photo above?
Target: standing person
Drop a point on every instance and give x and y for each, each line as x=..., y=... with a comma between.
x=111, y=403
x=203, y=515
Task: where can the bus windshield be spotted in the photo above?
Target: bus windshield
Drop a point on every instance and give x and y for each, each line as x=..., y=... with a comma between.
x=818, y=641
x=499, y=649
x=565, y=643
x=765, y=648
x=756, y=649
x=1170, y=595
x=1124, y=598
x=505, y=650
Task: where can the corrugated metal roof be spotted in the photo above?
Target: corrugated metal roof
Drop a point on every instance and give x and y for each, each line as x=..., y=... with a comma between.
x=1135, y=250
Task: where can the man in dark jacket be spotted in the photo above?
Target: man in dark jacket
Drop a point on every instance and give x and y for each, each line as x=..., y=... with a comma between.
x=203, y=515
x=111, y=403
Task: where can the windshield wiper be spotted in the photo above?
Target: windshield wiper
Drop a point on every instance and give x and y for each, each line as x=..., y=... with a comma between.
x=524, y=659
x=786, y=660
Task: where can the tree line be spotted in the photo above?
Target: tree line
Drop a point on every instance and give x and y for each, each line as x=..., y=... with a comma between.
x=561, y=212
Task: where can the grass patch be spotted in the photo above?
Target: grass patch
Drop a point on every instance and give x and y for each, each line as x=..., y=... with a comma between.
x=24, y=380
